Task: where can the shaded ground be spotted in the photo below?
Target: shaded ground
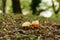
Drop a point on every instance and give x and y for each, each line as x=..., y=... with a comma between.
x=11, y=29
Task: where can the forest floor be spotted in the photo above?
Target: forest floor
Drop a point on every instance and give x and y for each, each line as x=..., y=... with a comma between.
x=11, y=29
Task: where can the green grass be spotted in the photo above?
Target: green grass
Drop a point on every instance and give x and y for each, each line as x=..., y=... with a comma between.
x=31, y=17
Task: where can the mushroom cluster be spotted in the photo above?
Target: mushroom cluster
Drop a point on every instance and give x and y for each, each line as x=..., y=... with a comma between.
x=33, y=24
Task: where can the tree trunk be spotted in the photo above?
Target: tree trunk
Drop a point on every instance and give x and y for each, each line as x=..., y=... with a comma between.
x=16, y=6
x=55, y=11
x=4, y=6
x=34, y=4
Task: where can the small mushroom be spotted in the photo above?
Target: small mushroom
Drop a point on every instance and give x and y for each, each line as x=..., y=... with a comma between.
x=35, y=24
x=26, y=24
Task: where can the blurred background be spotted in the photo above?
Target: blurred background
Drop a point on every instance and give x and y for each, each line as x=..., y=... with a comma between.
x=45, y=8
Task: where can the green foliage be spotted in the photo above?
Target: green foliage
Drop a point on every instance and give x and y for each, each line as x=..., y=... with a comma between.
x=0, y=4
x=56, y=17
x=9, y=6
x=58, y=1
x=33, y=37
x=25, y=4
